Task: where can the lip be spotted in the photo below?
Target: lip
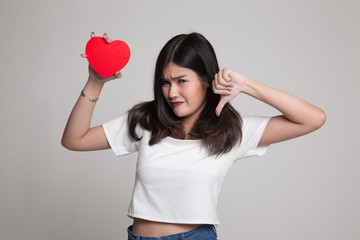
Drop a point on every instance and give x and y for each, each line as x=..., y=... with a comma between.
x=176, y=103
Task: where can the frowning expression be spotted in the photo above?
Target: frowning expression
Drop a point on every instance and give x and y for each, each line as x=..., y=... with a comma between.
x=184, y=91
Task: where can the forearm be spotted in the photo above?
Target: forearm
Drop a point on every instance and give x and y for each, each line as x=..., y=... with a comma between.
x=293, y=108
x=80, y=118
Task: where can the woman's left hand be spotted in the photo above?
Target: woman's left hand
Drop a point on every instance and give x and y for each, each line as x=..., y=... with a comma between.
x=298, y=116
x=228, y=83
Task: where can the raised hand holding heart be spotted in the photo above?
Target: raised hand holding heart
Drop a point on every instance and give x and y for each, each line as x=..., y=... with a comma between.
x=106, y=57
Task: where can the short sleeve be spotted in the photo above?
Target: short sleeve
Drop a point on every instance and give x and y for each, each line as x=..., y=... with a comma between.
x=253, y=128
x=117, y=134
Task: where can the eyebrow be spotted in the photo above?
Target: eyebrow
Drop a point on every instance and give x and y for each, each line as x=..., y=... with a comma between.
x=178, y=77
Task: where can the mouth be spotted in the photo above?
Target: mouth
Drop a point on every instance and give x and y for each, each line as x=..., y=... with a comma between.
x=176, y=103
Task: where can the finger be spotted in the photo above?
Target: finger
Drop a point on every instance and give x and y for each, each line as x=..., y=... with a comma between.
x=226, y=74
x=220, y=106
x=107, y=39
x=118, y=74
x=83, y=55
x=221, y=87
x=216, y=85
x=114, y=76
x=221, y=90
x=92, y=34
x=222, y=81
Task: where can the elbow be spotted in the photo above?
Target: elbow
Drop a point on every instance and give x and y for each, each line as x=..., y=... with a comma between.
x=319, y=120
x=67, y=144
x=323, y=118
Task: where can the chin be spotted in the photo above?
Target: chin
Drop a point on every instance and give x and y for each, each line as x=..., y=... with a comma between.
x=180, y=114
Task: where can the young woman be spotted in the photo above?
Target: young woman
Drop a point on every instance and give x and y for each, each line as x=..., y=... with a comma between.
x=187, y=138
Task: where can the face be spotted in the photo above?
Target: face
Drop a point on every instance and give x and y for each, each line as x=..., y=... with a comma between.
x=184, y=92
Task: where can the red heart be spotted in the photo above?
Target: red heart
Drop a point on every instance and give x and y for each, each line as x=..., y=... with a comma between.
x=107, y=58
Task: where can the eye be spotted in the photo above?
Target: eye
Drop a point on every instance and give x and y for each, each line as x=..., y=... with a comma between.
x=164, y=82
x=181, y=81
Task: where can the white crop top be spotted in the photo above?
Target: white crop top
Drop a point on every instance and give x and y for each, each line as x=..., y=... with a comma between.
x=176, y=181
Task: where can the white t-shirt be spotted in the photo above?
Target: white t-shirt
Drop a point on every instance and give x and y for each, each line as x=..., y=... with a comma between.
x=176, y=181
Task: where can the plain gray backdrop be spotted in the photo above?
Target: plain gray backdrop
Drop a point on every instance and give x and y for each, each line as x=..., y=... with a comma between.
x=306, y=188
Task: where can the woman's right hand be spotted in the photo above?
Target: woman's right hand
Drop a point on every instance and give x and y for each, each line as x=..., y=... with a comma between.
x=78, y=134
x=93, y=75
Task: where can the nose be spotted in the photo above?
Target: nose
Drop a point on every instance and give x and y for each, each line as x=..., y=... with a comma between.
x=173, y=92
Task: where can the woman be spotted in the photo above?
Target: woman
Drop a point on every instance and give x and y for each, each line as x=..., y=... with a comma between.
x=187, y=137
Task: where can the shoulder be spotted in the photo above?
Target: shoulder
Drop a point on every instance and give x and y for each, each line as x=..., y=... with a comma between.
x=116, y=124
x=250, y=122
x=252, y=130
x=253, y=127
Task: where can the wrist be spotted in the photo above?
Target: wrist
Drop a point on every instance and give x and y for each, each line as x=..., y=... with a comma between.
x=249, y=86
x=92, y=89
x=90, y=99
x=95, y=82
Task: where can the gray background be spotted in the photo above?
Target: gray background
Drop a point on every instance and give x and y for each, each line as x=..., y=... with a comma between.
x=306, y=188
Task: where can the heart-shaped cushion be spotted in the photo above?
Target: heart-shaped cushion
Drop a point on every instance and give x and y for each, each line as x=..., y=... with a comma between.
x=107, y=58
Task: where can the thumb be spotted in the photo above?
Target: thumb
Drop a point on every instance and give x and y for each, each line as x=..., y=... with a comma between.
x=220, y=106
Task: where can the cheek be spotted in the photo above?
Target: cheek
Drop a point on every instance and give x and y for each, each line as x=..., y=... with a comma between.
x=201, y=98
x=201, y=93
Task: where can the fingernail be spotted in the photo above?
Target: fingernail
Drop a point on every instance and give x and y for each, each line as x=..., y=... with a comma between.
x=230, y=89
x=228, y=92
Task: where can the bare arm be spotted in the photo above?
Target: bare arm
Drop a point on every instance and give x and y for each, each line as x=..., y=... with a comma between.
x=298, y=116
x=78, y=135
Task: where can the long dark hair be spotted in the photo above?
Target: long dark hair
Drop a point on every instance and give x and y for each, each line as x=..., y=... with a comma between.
x=217, y=134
